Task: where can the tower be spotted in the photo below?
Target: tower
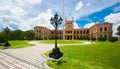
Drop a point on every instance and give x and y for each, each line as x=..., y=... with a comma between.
x=68, y=31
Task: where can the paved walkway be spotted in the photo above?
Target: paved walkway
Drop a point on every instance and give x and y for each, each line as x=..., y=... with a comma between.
x=27, y=58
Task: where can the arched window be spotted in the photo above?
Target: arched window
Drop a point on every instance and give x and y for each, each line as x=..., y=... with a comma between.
x=74, y=32
x=66, y=32
x=87, y=32
x=81, y=32
x=105, y=28
x=84, y=31
x=105, y=35
x=69, y=32
x=77, y=32
x=100, y=29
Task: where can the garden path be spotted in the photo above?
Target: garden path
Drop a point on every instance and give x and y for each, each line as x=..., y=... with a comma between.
x=29, y=57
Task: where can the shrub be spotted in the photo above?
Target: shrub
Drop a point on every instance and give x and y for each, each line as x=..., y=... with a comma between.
x=87, y=38
x=101, y=39
x=113, y=39
x=84, y=38
x=80, y=38
x=93, y=39
x=38, y=38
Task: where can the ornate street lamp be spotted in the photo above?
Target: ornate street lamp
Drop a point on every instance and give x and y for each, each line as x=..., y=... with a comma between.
x=56, y=54
x=6, y=45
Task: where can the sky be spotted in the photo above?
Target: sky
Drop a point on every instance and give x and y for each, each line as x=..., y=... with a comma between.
x=26, y=14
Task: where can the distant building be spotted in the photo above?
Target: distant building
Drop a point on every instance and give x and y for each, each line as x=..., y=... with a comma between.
x=99, y=29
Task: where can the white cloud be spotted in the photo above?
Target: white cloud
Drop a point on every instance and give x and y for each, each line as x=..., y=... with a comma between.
x=89, y=25
x=14, y=16
x=34, y=1
x=115, y=19
x=12, y=11
x=25, y=13
x=88, y=4
x=78, y=6
x=76, y=26
x=91, y=6
x=42, y=20
x=26, y=2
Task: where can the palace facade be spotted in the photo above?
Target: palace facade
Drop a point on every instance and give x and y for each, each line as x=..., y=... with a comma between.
x=99, y=29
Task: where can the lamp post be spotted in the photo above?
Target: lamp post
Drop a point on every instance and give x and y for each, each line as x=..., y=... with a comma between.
x=6, y=45
x=56, y=54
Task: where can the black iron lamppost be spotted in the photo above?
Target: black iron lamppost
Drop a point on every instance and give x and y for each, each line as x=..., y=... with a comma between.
x=56, y=54
x=6, y=45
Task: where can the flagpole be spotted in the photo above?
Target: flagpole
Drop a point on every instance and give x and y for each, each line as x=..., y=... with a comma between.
x=63, y=21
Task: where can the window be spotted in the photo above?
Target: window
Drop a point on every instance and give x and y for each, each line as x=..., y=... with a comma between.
x=101, y=29
x=74, y=37
x=66, y=32
x=87, y=32
x=105, y=35
x=81, y=32
x=105, y=29
x=77, y=32
x=39, y=31
x=52, y=32
x=60, y=32
x=84, y=32
x=74, y=32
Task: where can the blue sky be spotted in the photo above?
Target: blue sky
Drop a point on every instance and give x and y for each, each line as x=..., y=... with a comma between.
x=26, y=14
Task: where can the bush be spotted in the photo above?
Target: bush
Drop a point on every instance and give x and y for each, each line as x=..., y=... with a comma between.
x=80, y=38
x=93, y=39
x=87, y=38
x=84, y=38
x=113, y=39
x=101, y=39
x=38, y=38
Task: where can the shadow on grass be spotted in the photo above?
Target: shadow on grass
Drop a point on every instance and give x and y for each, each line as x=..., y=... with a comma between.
x=60, y=62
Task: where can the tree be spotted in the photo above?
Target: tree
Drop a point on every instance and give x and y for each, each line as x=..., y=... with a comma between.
x=19, y=35
x=2, y=37
x=29, y=35
x=118, y=29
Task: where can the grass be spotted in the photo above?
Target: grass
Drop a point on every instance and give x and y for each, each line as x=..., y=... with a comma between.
x=19, y=44
x=102, y=55
x=62, y=41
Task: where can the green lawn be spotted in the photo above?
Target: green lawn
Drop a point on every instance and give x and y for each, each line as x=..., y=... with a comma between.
x=61, y=41
x=19, y=44
x=102, y=55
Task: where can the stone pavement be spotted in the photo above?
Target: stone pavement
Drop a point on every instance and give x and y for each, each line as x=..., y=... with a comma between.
x=26, y=58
